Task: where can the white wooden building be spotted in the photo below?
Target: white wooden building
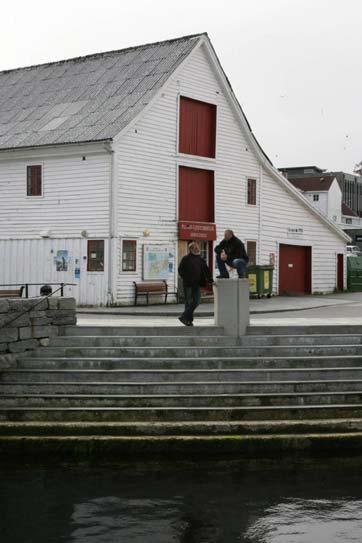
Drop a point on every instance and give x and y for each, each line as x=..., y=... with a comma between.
x=109, y=163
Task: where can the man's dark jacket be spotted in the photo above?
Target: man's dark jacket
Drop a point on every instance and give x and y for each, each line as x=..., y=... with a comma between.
x=234, y=248
x=194, y=271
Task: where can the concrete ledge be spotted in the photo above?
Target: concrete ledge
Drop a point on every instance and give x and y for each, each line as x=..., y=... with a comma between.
x=85, y=447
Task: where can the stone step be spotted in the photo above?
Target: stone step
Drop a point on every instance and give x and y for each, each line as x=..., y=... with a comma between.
x=221, y=363
x=190, y=446
x=192, y=400
x=196, y=352
x=180, y=413
x=186, y=447
x=222, y=428
x=330, y=329
x=142, y=330
x=167, y=341
x=164, y=388
x=190, y=375
x=152, y=375
x=143, y=341
x=305, y=340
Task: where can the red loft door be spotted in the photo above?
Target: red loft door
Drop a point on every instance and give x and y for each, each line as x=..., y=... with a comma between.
x=196, y=195
x=197, y=128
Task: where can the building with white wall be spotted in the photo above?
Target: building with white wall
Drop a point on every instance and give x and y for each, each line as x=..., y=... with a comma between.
x=111, y=163
x=325, y=194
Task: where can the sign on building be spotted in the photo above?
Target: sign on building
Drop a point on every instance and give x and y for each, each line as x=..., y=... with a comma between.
x=158, y=261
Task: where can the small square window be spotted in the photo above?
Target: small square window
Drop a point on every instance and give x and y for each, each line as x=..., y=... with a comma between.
x=252, y=192
x=315, y=197
x=95, y=262
x=34, y=180
x=251, y=252
x=129, y=255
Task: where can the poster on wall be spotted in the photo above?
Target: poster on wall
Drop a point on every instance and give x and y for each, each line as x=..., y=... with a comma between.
x=61, y=261
x=158, y=261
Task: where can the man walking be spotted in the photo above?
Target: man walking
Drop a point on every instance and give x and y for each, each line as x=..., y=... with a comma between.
x=195, y=274
x=231, y=251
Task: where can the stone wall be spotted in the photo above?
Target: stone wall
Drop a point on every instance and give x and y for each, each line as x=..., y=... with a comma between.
x=19, y=333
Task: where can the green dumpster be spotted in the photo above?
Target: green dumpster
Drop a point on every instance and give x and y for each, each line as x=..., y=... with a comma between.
x=260, y=280
x=354, y=273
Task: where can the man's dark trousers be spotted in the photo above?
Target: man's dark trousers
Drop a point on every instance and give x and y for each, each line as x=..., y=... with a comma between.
x=238, y=263
x=192, y=300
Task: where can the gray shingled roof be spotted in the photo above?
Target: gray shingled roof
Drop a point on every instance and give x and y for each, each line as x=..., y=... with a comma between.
x=84, y=99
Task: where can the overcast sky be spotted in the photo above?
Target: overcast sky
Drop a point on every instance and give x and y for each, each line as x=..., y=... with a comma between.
x=295, y=65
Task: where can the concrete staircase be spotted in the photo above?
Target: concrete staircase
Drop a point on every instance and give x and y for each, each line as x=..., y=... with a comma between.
x=171, y=389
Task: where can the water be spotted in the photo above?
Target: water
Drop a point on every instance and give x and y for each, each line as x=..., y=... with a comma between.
x=290, y=501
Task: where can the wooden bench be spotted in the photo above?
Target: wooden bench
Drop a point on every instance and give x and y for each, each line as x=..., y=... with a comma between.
x=154, y=288
x=12, y=293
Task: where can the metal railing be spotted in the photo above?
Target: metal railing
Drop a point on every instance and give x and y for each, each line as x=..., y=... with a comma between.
x=31, y=308
x=26, y=286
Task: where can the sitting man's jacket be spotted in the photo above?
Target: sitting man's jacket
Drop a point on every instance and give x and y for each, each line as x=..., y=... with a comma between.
x=234, y=248
x=194, y=271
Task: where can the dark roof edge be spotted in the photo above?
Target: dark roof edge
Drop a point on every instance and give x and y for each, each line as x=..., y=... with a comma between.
x=302, y=167
x=42, y=146
x=97, y=55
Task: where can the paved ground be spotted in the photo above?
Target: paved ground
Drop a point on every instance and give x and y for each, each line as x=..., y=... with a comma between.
x=265, y=305
x=340, y=309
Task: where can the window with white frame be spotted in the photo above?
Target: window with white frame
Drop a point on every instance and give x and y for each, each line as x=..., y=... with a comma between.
x=34, y=180
x=315, y=197
x=252, y=192
x=129, y=255
x=251, y=251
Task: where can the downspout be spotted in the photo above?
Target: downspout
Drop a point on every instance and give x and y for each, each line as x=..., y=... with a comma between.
x=108, y=148
x=260, y=214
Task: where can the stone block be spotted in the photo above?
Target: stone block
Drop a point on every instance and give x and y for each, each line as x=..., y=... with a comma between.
x=24, y=345
x=8, y=334
x=41, y=321
x=54, y=331
x=41, y=331
x=25, y=332
x=40, y=304
x=66, y=303
x=4, y=306
x=37, y=314
x=7, y=361
x=21, y=304
x=59, y=312
x=53, y=303
x=65, y=319
x=4, y=347
x=17, y=319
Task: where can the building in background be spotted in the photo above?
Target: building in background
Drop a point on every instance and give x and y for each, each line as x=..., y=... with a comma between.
x=111, y=163
x=350, y=184
x=336, y=194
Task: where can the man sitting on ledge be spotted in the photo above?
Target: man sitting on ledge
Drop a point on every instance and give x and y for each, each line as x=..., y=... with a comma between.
x=231, y=251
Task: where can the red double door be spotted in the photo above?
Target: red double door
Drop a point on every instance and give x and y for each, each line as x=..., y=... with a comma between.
x=295, y=269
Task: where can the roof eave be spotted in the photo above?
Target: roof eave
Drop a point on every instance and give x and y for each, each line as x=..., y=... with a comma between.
x=49, y=145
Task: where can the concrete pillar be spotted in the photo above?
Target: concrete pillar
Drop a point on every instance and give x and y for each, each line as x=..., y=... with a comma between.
x=231, y=298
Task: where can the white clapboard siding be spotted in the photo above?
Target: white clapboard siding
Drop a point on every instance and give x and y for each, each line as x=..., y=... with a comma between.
x=147, y=194
x=32, y=261
x=147, y=178
x=76, y=195
x=279, y=212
